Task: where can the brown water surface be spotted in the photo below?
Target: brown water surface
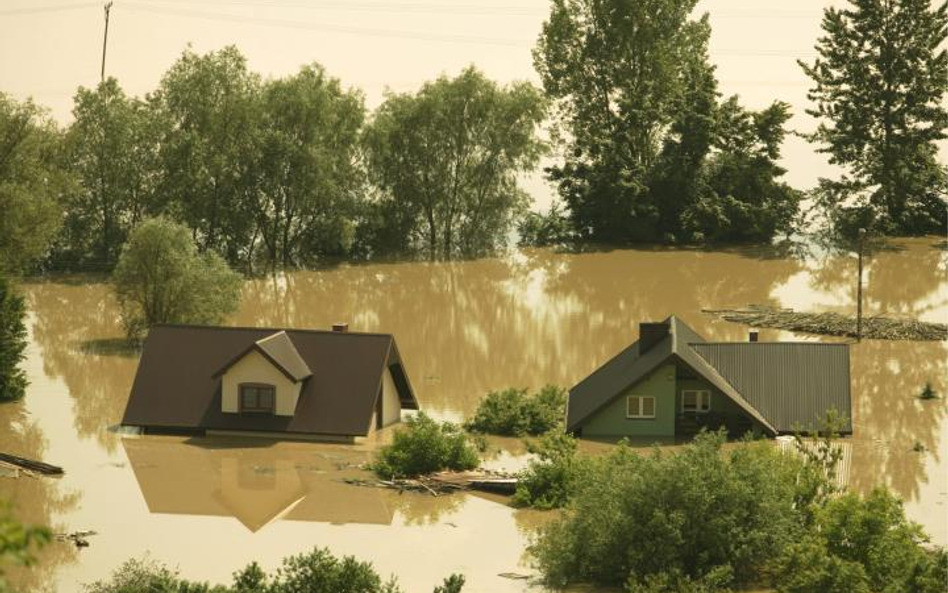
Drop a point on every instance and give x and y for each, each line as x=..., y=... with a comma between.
x=209, y=506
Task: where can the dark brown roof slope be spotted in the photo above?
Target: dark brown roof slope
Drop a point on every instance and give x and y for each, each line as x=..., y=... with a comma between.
x=278, y=348
x=177, y=385
x=792, y=384
x=749, y=380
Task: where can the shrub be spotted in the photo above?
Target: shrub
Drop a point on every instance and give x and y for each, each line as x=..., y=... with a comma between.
x=161, y=278
x=12, y=342
x=695, y=513
x=514, y=412
x=321, y=572
x=928, y=392
x=549, y=481
x=135, y=576
x=18, y=542
x=425, y=446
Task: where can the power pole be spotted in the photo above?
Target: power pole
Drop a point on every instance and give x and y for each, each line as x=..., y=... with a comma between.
x=861, y=244
x=105, y=39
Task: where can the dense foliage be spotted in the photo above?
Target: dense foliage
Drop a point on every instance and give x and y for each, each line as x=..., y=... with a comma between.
x=33, y=180
x=648, y=152
x=515, y=412
x=162, y=278
x=18, y=542
x=446, y=160
x=425, y=446
x=706, y=518
x=538, y=229
x=12, y=341
x=317, y=571
x=550, y=480
x=880, y=81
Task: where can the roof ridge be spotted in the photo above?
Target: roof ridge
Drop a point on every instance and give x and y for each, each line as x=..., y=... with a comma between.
x=793, y=343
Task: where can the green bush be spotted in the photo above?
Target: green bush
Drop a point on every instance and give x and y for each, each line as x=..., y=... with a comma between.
x=12, y=342
x=425, y=446
x=695, y=513
x=549, y=481
x=514, y=412
x=928, y=392
x=136, y=576
x=18, y=542
x=161, y=278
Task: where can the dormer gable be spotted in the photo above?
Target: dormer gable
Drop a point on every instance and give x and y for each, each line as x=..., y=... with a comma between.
x=266, y=378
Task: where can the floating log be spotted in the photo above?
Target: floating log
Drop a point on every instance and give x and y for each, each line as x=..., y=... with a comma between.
x=834, y=324
x=32, y=465
x=78, y=538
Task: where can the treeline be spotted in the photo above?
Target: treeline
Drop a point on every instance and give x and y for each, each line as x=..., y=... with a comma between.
x=290, y=171
x=278, y=172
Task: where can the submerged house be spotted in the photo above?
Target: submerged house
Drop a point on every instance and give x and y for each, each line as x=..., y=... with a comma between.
x=303, y=384
x=671, y=383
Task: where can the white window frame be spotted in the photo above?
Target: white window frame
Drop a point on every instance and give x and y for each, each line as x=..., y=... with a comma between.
x=702, y=396
x=640, y=407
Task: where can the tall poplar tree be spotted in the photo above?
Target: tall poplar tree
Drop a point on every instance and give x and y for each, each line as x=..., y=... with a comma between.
x=879, y=88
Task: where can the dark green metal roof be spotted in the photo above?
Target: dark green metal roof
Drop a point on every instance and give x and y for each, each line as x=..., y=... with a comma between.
x=780, y=385
x=792, y=384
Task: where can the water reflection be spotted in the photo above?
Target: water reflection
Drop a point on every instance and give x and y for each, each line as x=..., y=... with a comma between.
x=260, y=483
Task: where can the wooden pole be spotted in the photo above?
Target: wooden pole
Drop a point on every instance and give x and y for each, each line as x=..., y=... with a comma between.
x=862, y=236
x=105, y=40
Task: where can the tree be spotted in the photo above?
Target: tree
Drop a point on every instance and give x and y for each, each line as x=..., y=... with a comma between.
x=161, y=278
x=33, y=182
x=424, y=446
x=618, y=73
x=18, y=542
x=112, y=147
x=12, y=342
x=310, y=181
x=448, y=158
x=210, y=148
x=879, y=87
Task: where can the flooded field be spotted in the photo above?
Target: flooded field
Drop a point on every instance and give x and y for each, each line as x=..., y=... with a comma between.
x=209, y=506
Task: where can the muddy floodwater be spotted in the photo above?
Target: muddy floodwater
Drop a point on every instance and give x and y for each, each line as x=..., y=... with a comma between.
x=210, y=506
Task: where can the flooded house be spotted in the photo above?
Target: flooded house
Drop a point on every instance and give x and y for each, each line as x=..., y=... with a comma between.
x=279, y=383
x=671, y=383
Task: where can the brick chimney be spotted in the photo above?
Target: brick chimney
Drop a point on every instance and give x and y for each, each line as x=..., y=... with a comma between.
x=651, y=333
x=340, y=327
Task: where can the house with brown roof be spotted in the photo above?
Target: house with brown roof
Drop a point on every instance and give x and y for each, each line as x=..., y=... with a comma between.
x=282, y=383
x=671, y=383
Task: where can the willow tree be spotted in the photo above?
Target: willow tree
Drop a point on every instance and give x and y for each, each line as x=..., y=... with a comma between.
x=879, y=91
x=446, y=161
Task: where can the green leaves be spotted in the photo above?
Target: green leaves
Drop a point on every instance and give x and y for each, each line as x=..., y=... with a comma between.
x=424, y=446
x=879, y=87
x=446, y=159
x=514, y=412
x=12, y=342
x=161, y=278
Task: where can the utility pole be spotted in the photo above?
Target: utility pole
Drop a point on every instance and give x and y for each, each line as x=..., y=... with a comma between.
x=105, y=39
x=860, y=246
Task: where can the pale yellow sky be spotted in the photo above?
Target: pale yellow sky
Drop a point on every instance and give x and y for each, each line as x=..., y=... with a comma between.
x=50, y=47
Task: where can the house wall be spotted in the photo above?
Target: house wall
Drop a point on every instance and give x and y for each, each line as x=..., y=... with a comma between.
x=391, y=405
x=255, y=368
x=611, y=421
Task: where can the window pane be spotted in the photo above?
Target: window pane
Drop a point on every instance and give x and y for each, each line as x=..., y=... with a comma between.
x=632, y=406
x=648, y=406
x=705, y=401
x=248, y=397
x=265, y=399
x=688, y=401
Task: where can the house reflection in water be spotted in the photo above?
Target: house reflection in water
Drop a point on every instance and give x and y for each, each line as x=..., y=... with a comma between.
x=256, y=485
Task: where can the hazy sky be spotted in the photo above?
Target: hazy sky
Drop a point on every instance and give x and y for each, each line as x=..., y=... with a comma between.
x=50, y=47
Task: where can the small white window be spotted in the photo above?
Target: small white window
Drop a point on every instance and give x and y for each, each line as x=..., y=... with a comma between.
x=695, y=400
x=640, y=406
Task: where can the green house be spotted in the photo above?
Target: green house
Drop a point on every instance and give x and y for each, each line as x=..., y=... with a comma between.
x=671, y=383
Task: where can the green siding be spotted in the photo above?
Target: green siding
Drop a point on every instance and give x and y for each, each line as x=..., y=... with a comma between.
x=611, y=420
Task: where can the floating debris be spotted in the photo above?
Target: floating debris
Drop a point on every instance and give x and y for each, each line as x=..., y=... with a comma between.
x=514, y=576
x=443, y=482
x=37, y=467
x=834, y=324
x=76, y=537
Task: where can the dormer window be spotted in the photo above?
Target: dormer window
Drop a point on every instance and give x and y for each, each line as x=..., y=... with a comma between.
x=257, y=398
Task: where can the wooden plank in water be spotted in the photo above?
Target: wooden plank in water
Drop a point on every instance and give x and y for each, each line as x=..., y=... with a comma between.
x=36, y=466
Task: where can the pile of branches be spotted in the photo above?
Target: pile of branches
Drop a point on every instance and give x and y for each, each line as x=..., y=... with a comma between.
x=834, y=324
x=444, y=482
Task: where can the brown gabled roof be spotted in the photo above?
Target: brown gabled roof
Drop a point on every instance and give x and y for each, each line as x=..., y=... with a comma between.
x=177, y=385
x=780, y=385
x=278, y=348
